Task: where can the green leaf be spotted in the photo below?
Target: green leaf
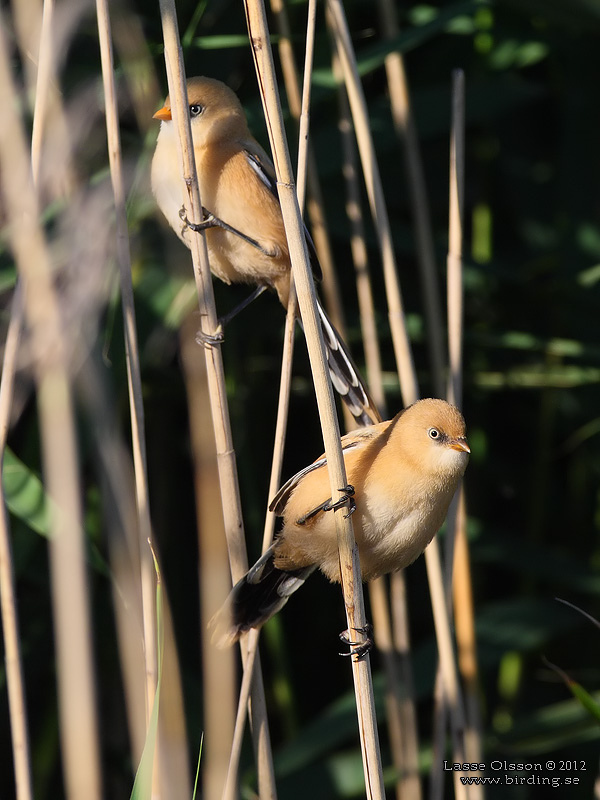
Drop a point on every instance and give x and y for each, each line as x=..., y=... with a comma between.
x=25, y=495
x=585, y=698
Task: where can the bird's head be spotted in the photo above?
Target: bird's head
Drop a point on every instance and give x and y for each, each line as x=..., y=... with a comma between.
x=434, y=434
x=215, y=111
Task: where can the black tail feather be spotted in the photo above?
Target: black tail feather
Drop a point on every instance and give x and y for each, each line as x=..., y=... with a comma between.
x=345, y=377
x=260, y=594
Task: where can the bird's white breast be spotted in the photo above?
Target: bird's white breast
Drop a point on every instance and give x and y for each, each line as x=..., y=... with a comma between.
x=167, y=183
x=395, y=534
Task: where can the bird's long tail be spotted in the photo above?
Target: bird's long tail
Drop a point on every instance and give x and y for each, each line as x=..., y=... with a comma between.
x=255, y=598
x=345, y=377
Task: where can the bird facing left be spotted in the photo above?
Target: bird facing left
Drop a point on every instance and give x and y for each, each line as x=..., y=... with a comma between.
x=246, y=238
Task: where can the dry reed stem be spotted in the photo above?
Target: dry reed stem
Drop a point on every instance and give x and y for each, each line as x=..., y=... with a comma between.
x=230, y=496
x=359, y=253
x=249, y=643
x=307, y=162
x=31, y=40
x=134, y=380
x=219, y=668
x=70, y=602
x=465, y=637
x=10, y=623
x=350, y=568
x=301, y=177
x=285, y=385
x=401, y=712
x=455, y=238
x=406, y=369
x=290, y=322
x=49, y=129
x=171, y=758
x=457, y=551
x=404, y=124
x=399, y=697
x=43, y=94
x=117, y=482
x=444, y=691
x=345, y=52
x=448, y=677
x=410, y=781
x=27, y=21
x=118, y=493
x=303, y=116
x=314, y=204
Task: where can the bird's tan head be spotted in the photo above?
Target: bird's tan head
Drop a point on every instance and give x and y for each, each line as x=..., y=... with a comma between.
x=215, y=111
x=434, y=432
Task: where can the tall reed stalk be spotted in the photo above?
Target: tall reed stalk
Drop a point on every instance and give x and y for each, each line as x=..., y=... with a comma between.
x=8, y=604
x=458, y=572
x=134, y=380
x=350, y=569
x=51, y=367
x=402, y=349
x=400, y=702
x=230, y=497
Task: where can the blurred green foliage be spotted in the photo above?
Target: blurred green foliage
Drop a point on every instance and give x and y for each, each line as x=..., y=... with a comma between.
x=532, y=388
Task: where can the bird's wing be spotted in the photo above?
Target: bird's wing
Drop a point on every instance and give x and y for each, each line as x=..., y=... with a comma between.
x=350, y=441
x=263, y=167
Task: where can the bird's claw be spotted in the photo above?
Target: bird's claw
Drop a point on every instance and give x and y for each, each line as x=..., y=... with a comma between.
x=209, y=220
x=351, y=507
x=210, y=339
x=358, y=649
x=347, y=495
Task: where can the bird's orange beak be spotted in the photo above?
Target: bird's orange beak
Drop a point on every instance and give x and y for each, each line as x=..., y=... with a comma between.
x=460, y=445
x=163, y=113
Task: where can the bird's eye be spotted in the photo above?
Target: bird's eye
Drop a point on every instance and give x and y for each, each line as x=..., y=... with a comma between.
x=196, y=110
x=433, y=433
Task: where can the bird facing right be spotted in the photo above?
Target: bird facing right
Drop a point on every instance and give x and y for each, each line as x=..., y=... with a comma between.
x=404, y=473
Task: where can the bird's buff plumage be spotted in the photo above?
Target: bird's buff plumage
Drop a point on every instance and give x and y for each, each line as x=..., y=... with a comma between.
x=404, y=473
x=238, y=187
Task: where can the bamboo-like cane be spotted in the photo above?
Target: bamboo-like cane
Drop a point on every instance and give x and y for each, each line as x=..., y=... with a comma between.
x=290, y=322
x=347, y=58
x=455, y=238
x=134, y=380
x=285, y=385
x=457, y=551
x=454, y=390
x=14, y=670
x=230, y=497
x=406, y=369
x=401, y=712
x=27, y=24
x=303, y=149
x=405, y=127
x=8, y=604
x=410, y=781
x=218, y=666
x=358, y=246
x=314, y=204
x=172, y=749
x=50, y=364
x=350, y=569
x=282, y=406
